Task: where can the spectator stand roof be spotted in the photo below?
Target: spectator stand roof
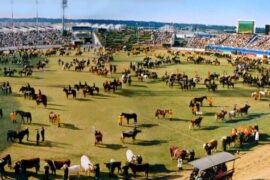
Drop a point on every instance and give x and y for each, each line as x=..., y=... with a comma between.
x=213, y=160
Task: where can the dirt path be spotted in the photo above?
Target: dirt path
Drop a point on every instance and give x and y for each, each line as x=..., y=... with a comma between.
x=254, y=164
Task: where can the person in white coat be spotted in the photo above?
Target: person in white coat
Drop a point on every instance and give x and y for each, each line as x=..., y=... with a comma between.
x=179, y=164
x=257, y=137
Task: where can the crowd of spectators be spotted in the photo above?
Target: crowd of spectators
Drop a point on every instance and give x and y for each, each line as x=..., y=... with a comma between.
x=162, y=37
x=33, y=38
x=237, y=40
x=231, y=40
x=262, y=43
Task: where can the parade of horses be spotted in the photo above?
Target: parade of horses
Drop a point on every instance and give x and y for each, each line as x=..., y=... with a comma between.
x=130, y=104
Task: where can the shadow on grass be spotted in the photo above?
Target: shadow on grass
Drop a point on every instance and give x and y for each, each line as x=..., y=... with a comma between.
x=112, y=146
x=55, y=109
x=159, y=168
x=147, y=125
x=83, y=99
x=179, y=119
x=247, y=118
x=209, y=128
x=150, y=142
x=69, y=126
x=39, y=124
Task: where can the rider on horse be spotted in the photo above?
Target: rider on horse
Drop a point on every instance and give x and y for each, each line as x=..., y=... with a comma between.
x=39, y=96
x=69, y=88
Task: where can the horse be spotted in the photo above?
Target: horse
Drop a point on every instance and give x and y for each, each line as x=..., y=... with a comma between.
x=131, y=157
x=232, y=114
x=160, y=112
x=70, y=92
x=220, y=115
x=176, y=153
x=199, y=100
x=109, y=87
x=88, y=90
x=227, y=140
x=43, y=99
x=210, y=146
x=195, y=122
x=56, y=164
x=98, y=137
x=52, y=117
x=139, y=168
x=86, y=165
x=112, y=166
x=129, y=116
x=74, y=169
x=26, y=115
x=27, y=91
x=243, y=110
x=28, y=164
x=6, y=160
x=130, y=134
x=12, y=135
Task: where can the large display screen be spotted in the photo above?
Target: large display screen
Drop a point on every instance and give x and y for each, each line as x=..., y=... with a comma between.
x=267, y=29
x=246, y=27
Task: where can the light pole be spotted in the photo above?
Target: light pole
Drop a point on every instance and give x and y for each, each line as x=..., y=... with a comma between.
x=37, y=15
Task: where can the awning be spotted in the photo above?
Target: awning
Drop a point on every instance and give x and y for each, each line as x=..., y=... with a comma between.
x=213, y=160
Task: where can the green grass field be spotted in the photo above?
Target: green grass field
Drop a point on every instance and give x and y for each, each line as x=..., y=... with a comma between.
x=75, y=137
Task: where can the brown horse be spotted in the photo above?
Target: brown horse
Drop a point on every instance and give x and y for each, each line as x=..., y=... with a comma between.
x=195, y=122
x=220, y=115
x=160, y=112
x=176, y=153
x=98, y=137
x=52, y=117
x=210, y=146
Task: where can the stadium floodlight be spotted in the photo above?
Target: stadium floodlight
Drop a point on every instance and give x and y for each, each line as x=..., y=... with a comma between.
x=64, y=6
x=12, y=16
x=37, y=15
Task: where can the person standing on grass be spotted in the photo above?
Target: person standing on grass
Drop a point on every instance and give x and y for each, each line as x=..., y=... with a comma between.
x=120, y=120
x=42, y=132
x=58, y=120
x=37, y=138
x=179, y=164
x=257, y=137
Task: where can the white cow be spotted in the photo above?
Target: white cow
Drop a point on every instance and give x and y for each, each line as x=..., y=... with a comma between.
x=86, y=165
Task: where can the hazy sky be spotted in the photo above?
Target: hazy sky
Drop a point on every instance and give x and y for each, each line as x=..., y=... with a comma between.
x=181, y=11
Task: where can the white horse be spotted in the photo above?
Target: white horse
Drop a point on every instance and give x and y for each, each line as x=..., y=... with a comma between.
x=74, y=170
x=130, y=155
x=86, y=165
x=232, y=114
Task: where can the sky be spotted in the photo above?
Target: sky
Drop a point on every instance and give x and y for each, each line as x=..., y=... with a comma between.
x=214, y=12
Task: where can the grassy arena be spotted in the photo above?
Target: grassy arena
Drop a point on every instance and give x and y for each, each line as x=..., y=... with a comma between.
x=75, y=137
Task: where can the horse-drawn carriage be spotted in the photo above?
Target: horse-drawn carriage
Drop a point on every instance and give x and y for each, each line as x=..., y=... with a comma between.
x=214, y=167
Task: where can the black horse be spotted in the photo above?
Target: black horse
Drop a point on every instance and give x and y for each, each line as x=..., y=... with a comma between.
x=130, y=134
x=70, y=92
x=6, y=160
x=42, y=100
x=109, y=87
x=27, y=91
x=26, y=115
x=199, y=99
x=112, y=166
x=12, y=135
x=56, y=164
x=130, y=116
x=28, y=164
x=243, y=110
x=139, y=168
